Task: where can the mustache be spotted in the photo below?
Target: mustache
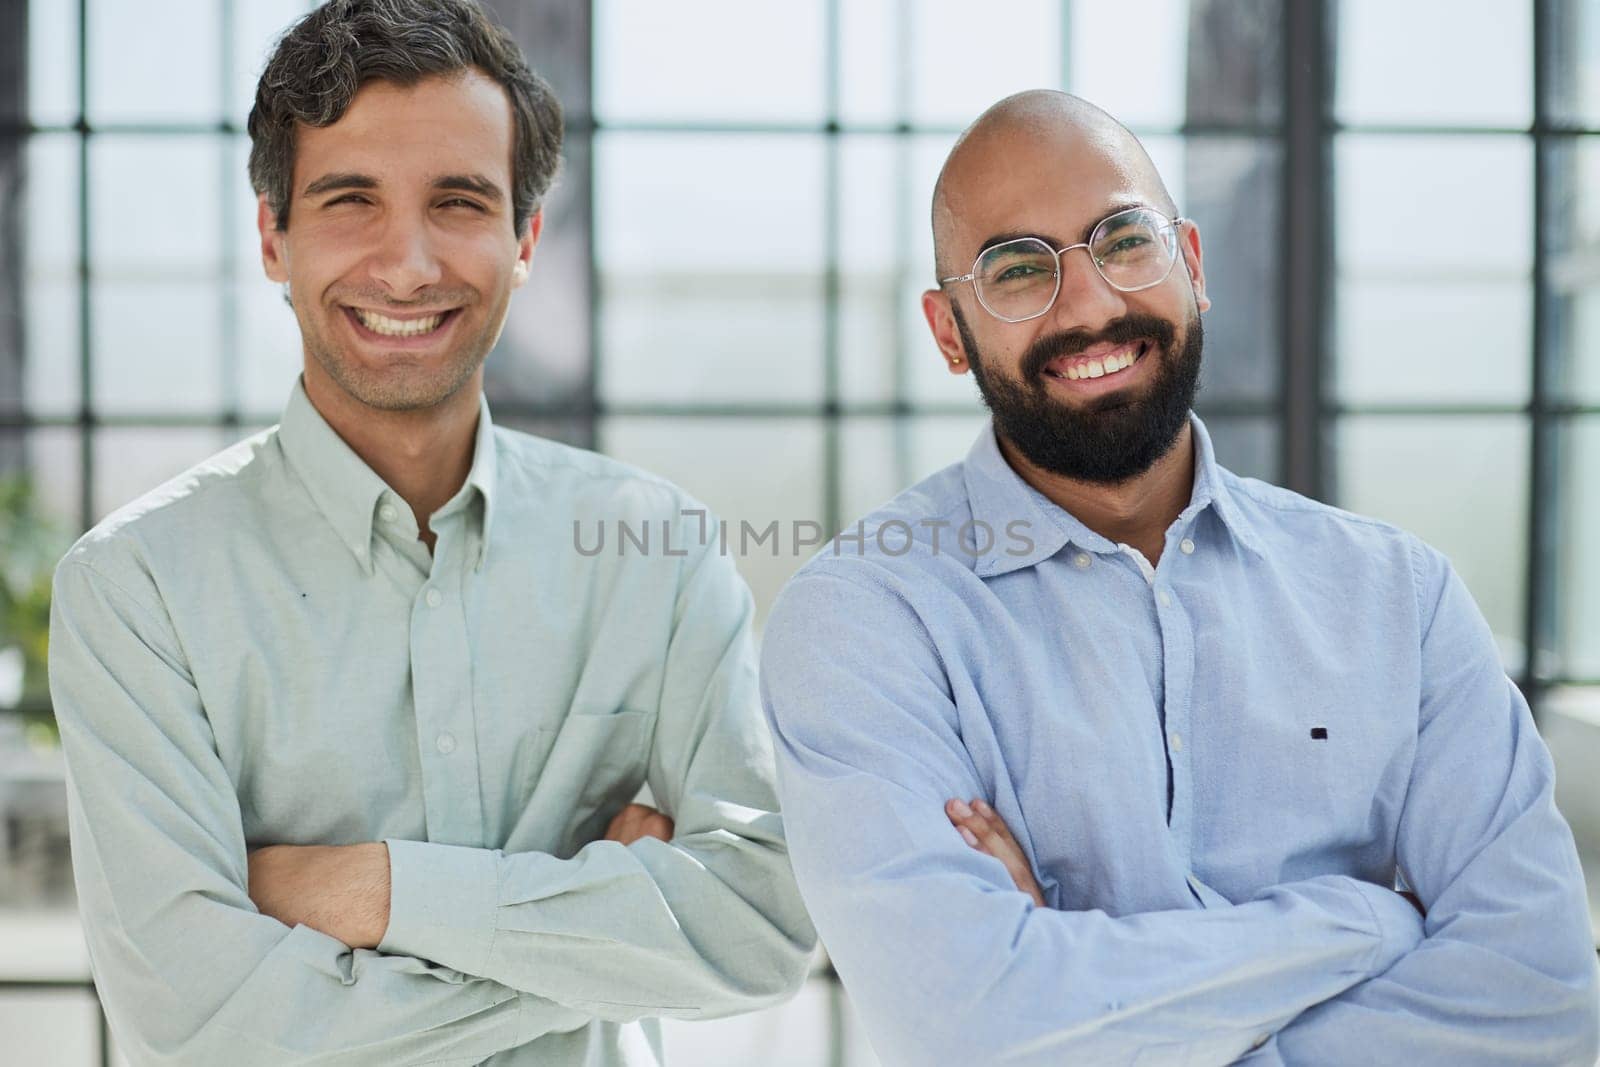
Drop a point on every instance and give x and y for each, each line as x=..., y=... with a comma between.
x=1121, y=331
x=428, y=298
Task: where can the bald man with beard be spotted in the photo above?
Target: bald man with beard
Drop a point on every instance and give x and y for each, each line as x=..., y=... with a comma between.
x=1092, y=752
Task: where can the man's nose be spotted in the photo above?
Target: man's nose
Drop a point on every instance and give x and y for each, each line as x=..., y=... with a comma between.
x=405, y=260
x=1086, y=299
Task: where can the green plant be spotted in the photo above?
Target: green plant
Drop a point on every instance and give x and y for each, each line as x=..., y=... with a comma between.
x=30, y=544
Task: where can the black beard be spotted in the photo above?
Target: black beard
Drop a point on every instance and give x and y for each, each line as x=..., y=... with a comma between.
x=1114, y=438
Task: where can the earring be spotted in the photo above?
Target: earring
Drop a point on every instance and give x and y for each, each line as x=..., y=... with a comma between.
x=955, y=361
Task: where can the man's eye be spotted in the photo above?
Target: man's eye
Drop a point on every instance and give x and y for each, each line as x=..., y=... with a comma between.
x=1018, y=272
x=348, y=198
x=459, y=202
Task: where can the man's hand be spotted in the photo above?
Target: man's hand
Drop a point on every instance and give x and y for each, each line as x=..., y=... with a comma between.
x=982, y=829
x=340, y=890
x=638, y=821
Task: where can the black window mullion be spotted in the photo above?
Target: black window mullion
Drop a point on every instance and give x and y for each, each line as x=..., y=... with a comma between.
x=86, y=511
x=1305, y=255
x=832, y=445
x=13, y=181
x=229, y=350
x=1538, y=613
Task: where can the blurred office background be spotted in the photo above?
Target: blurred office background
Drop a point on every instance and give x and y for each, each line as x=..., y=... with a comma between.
x=1400, y=201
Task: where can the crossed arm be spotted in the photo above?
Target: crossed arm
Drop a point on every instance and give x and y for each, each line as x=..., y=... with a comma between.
x=949, y=962
x=343, y=890
x=206, y=953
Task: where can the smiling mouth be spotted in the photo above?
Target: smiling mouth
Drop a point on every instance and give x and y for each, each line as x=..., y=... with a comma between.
x=1103, y=366
x=388, y=326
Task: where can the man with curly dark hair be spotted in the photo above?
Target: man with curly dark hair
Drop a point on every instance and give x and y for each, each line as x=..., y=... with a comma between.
x=356, y=733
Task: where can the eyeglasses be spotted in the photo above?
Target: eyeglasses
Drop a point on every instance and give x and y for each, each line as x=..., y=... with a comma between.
x=1018, y=280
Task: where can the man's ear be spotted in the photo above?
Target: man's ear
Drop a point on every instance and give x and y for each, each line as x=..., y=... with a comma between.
x=1194, y=262
x=525, y=246
x=274, y=246
x=942, y=322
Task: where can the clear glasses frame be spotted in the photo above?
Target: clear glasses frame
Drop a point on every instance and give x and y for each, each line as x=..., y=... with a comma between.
x=1171, y=224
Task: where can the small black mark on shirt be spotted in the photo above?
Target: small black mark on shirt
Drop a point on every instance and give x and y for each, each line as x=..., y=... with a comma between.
x=1319, y=733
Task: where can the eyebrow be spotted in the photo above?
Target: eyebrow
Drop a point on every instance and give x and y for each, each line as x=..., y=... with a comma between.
x=1016, y=235
x=330, y=182
x=476, y=184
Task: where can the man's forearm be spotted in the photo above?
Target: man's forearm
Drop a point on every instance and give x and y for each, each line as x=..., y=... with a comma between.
x=343, y=890
x=340, y=890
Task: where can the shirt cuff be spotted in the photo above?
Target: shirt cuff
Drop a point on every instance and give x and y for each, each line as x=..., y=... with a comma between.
x=1399, y=926
x=443, y=904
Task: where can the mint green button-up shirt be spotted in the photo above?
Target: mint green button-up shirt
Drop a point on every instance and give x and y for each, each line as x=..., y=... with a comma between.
x=262, y=652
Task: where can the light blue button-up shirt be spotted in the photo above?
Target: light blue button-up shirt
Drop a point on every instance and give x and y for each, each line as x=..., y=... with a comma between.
x=262, y=652
x=1218, y=768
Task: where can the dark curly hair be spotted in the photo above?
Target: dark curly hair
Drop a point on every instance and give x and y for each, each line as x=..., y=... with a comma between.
x=325, y=57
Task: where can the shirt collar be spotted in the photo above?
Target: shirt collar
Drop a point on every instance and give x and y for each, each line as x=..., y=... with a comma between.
x=1211, y=488
x=1000, y=497
x=482, y=476
x=347, y=491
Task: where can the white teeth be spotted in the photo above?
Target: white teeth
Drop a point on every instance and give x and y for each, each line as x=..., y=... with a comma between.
x=1099, y=368
x=397, y=327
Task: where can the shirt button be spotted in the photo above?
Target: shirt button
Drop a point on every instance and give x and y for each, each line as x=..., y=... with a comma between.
x=1166, y=601
x=388, y=513
x=445, y=743
x=433, y=598
x=1186, y=546
x=1081, y=561
x=1177, y=741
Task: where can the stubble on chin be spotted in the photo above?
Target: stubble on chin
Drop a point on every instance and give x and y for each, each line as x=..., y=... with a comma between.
x=402, y=385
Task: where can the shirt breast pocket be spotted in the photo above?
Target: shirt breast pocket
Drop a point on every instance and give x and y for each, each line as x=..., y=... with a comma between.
x=596, y=764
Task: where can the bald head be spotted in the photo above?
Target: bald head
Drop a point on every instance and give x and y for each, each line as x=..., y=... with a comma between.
x=1037, y=132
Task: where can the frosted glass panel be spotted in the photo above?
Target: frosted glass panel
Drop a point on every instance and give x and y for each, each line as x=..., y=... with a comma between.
x=761, y=62
x=964, y=58
x=1403, y=206
x=52, y=62
x=155, y=62
x=1573, y=243
x=711, y=254
x=871, y=55
x=156, y=205
x=1129, y=58
x=1467, y=341
x=1577, y=534
x=49, y=217
x=1444, y=62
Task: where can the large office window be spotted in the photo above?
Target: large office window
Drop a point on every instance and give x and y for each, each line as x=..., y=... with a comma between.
x=1400, y=204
